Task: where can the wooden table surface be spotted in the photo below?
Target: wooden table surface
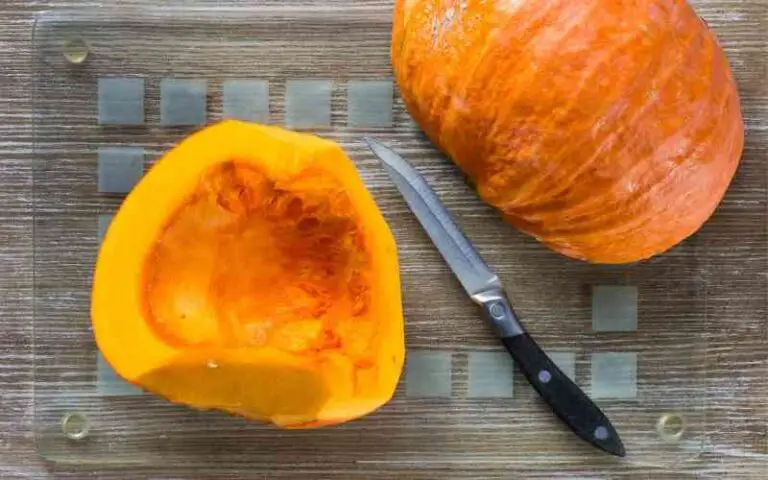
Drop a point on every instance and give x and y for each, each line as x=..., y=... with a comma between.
x=738, y=360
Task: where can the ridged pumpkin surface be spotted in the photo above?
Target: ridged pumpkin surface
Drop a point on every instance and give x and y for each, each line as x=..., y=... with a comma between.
x=250, y=271
x=609, y=130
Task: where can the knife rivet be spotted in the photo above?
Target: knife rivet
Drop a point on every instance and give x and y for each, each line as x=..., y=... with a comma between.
x=601, y=433
x=497, y=311
x=545, y=376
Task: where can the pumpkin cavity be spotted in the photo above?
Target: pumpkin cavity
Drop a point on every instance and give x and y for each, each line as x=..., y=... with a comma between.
x=249, y=261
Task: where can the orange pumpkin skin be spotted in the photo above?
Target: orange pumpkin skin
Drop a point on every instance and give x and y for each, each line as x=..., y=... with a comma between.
x=608, y=130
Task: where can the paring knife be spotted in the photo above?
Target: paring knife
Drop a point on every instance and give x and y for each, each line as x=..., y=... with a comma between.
x=565, y=398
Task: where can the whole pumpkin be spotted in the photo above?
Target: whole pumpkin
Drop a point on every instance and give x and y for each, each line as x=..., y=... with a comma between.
x=609, y=130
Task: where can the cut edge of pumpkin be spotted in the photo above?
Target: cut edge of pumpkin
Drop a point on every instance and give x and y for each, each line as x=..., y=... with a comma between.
x=333, y=398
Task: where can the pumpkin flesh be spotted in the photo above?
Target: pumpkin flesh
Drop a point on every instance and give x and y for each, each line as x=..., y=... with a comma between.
x=244, y=263
x=262, y=281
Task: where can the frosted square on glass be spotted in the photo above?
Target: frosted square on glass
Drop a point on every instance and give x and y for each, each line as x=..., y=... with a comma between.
x=565, y=361
x=491, y=374
x=614, y=375
x=109, y=384
x=246, y=100
x=120, y=168
x=614, y=308
x=428, y=374
x=308, y=103
x=369, y=103
x=182, y=102
x=121, y=101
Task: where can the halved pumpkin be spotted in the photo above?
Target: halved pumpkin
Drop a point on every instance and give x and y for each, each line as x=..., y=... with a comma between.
x=251, y=271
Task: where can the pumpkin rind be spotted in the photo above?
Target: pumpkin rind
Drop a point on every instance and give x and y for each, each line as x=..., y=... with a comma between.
x=186, y=300
x=610, y=131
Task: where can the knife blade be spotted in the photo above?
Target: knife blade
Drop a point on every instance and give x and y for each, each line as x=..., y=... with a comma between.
x=569, y=403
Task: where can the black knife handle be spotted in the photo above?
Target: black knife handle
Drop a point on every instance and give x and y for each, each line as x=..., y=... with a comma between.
x=565, y=398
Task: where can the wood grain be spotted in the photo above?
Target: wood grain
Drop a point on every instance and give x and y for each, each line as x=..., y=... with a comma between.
x=703, y=306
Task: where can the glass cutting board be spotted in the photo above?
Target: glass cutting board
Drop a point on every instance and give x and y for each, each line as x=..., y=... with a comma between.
x=116, y=88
